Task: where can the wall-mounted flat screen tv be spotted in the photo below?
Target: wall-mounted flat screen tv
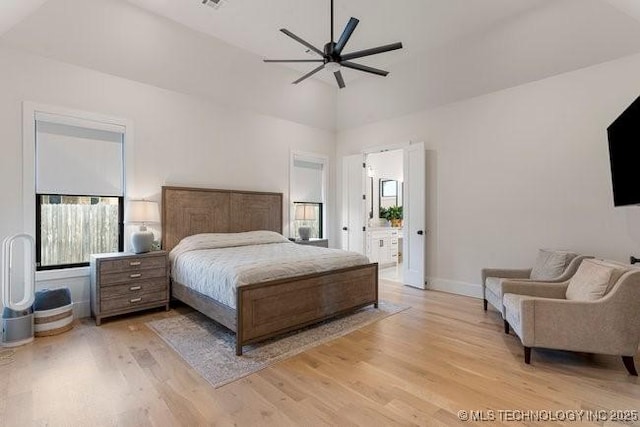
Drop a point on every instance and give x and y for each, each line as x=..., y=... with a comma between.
x=624, y=155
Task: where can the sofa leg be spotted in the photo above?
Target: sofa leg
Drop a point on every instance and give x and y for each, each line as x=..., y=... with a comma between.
x=527, y=355
x=631, y=367
x=485, y=305
x=506, y=327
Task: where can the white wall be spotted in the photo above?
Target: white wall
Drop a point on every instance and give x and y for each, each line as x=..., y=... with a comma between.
x=179, y=139
x=517, y=170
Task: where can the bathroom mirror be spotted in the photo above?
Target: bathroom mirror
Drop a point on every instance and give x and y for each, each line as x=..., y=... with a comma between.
x=390, y=193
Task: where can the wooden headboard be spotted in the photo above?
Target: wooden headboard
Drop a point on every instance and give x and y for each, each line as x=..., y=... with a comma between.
x=188, y=211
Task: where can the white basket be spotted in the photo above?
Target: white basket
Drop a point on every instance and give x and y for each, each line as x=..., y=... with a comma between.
x=54, y=321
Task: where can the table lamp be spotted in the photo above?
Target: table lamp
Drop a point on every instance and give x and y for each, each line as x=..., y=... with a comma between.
x=305, y=213
x=142, y=212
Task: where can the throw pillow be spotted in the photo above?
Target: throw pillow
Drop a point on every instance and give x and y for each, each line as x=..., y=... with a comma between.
x=550, y=264
x=593, y=280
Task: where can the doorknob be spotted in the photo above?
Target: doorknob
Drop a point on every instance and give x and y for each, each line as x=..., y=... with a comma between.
x=344, y=228
x=420, y=232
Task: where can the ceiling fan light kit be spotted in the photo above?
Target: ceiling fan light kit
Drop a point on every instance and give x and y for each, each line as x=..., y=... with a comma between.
x=332, y=66
x=332, y=57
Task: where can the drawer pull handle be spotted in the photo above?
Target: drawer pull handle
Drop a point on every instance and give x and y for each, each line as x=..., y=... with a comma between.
x=135, y=300
x=135, y=288
x=135, y=276
x=134, y=263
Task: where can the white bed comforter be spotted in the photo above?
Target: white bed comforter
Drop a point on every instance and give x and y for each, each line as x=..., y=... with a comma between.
x=216, y=264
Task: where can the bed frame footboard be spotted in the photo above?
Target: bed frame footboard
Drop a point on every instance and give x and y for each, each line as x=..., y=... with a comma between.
x=272, y=308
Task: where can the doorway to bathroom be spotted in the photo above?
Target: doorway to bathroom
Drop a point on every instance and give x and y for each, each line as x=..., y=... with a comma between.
x=383, y=210
x=385, y=190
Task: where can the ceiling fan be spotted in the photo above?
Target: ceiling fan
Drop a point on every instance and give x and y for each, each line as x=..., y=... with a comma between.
x=333, y=58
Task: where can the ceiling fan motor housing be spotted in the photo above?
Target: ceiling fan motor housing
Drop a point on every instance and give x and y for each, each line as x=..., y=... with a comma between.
x=329, y=53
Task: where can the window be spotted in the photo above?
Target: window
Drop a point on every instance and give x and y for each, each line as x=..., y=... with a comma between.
x=308, y=182
x=73, y=227
x=388, y=188
x=79, y=190
x=308, y=215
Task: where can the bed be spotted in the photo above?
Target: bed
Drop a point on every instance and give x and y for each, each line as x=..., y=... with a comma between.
x=262, y=309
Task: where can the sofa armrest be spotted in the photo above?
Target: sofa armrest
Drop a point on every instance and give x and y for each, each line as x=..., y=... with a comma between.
x=587, y=326
x=535, y=289
x=505, y=273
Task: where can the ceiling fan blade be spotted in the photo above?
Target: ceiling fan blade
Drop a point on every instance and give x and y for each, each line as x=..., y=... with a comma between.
x=364, y=68
x=309, y=74
x=293, y=60
x=339, y=79
x=346, y=34
x=372, y=51
x=299, y=40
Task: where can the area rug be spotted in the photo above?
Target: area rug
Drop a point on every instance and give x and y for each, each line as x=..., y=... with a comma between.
x=210, y=348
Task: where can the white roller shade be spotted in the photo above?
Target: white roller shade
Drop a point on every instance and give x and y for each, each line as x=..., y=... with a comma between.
x=307, y=182
x=78, y=157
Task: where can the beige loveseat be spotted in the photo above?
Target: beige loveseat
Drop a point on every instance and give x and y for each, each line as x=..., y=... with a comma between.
x=597, y=311
x=550, y=266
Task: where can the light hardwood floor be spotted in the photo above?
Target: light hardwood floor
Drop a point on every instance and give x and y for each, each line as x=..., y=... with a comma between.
x=421, y=366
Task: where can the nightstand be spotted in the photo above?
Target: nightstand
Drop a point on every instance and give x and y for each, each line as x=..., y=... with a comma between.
x=126, y=282
x=324, y=243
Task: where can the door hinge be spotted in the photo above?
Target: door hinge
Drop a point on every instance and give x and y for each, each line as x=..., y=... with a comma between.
x=364, y=197
x=364, y=165
x=364, y=228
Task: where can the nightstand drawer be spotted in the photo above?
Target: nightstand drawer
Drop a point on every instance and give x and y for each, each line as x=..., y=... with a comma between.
x=131, y=301
x=132, y=263
x=111, y=279
x=133, y=288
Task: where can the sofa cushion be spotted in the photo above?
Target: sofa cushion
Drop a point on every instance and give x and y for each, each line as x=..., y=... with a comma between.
x=512, y=310
x=551, y=264
x=594, y=279
x=494, y=285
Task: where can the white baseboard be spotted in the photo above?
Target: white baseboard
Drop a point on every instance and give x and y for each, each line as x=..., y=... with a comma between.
x=455, y=287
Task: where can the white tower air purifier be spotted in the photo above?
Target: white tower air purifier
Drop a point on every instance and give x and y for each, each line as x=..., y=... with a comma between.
x=17, y=316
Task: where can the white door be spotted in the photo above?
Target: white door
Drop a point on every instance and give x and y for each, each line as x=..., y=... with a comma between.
x=353, y=177
x=414, y=201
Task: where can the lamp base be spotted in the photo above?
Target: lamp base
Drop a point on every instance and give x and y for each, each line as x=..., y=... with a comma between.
x=304, y=232
x=141, y=241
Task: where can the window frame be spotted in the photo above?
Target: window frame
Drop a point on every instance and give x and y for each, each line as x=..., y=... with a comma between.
x=29, y=112
x=39, y=230
x=320, y=217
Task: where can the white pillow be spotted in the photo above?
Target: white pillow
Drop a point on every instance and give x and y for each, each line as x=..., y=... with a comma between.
x=593, y=280
x=227, y=240
x=550, y=264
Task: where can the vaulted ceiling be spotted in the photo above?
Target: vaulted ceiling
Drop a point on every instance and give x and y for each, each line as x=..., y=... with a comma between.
x=14, y=11
x=454, y=49
x=421, y=25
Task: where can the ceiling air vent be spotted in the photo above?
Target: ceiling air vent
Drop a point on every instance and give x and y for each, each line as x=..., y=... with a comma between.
x=213, y=3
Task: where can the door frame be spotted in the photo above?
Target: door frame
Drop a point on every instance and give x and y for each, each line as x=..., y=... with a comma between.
x=392, y=147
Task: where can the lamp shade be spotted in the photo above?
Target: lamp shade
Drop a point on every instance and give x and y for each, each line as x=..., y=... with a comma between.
x=305, y=212
x=142, y=211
